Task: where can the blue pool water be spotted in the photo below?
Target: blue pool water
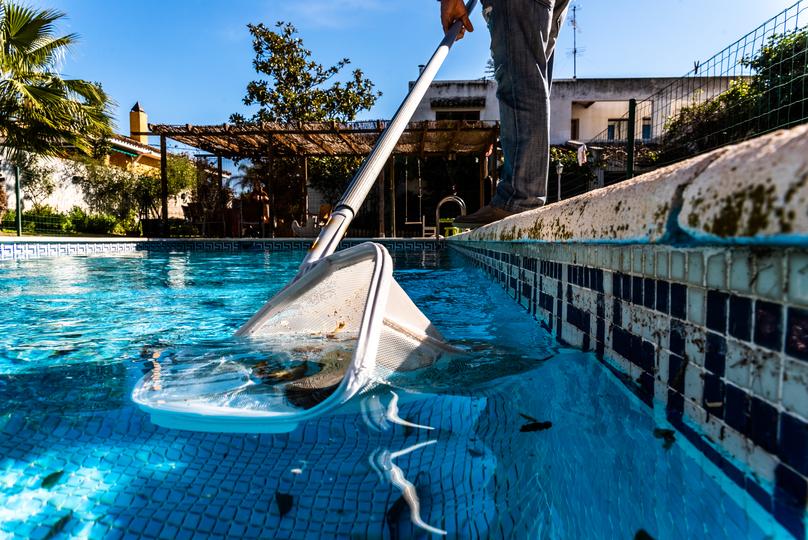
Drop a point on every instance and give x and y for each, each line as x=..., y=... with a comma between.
x=78, y=459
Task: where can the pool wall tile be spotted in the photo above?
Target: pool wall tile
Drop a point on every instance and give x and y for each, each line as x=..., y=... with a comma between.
x=12, y=248
x=691, y=332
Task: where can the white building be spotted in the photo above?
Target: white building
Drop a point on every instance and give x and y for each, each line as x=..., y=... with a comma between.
x=581, y=109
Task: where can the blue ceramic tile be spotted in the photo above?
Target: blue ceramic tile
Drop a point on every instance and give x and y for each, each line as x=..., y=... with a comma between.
x=717, y=311
x=797, y=333
x=715, y=354
x=740, y=317
x=662, y=296
x=626, y=288
x=736, y=413
x=676, y=338
x=678, y=300
x=649, y=293
x=763, y=424
x=792, y=446
x=790, y=495
x=676, y=372
x=636, y=291
x=769, y=325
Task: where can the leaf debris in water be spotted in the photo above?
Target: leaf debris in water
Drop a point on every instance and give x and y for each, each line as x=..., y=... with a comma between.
x=642, y=534
x=534, y=424
x=284, y=502
x=59, y=526
x=51, y=480
x=667, y=435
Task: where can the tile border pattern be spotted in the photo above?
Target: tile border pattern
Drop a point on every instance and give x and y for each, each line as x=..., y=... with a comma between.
x=716, y=339
x=55, y=247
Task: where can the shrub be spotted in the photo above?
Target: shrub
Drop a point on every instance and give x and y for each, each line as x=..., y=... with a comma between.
x=79, y=221
x=773, y=97
x=3, y=200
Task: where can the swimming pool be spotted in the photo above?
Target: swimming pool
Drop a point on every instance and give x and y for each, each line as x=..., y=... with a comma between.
x=528, y=440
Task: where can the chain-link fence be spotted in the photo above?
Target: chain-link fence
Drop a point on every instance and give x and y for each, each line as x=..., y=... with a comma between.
x=754, y=86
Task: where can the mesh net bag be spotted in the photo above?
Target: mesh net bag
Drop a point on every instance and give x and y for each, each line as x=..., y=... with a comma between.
x=338, y=330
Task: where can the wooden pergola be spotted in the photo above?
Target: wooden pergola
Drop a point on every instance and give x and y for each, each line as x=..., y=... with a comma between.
x=318, y=139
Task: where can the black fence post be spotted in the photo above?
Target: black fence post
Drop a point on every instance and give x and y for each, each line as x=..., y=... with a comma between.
x=164, y=187
x=632, y=118
x=19, y=199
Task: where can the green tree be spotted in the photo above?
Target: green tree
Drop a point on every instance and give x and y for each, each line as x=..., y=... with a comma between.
x=127, y=193
x=107, y=189
x=39, y=111
x=182, y=174
x=294, y=88
x=36, y=179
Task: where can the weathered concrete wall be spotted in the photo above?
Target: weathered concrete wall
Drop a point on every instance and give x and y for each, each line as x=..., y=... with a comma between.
x=752, y=193
x=482, y=88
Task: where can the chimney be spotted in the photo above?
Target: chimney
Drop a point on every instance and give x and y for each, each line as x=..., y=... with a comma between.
x=138, y=123
x=421, y=68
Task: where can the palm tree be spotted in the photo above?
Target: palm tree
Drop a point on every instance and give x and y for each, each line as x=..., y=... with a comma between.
x=39, y=111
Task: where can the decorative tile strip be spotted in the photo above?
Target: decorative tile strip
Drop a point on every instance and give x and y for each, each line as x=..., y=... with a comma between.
x=30, y=248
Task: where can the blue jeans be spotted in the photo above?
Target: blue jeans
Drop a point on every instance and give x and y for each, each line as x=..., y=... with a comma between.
x=523, y=38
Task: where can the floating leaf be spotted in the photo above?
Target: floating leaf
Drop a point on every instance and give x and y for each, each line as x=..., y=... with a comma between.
x=535, y=426
x=284, y=501
x=51, y=480
x=667, y=435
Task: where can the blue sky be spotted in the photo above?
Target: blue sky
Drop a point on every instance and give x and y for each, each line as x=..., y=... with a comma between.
x=188, y=61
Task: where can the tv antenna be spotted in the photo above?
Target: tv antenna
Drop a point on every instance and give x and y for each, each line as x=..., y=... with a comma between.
x=575, y=50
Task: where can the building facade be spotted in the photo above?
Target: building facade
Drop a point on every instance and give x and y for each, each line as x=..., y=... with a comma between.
x=581, y=109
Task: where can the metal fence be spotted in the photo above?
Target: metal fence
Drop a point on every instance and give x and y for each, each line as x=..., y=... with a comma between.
x=754, y=86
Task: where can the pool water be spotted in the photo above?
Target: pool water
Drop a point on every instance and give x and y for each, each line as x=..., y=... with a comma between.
x=518, y=439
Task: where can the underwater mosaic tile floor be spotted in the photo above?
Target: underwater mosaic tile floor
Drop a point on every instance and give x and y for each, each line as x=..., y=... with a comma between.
x=77, y=459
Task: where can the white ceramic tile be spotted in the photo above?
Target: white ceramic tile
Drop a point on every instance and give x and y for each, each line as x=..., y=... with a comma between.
x=694, y=383
x=636, y=260
x=678, y=265
x=649, y=262
x=737, y=363
x=795, y=387
x=608, y=280
x=660, y=390
x=604, y=256
x=615, y=254
x=764, y=374
x=717, y=271
x=740, y=272
x=625, y=260
x=696, y=414
x=798, y=277
x=736, y=444
x=662, y=368
x=662, y=264
x=695, y=268
x=762, y=463
x=769, y=282
x=695, y=339
x=696, y=305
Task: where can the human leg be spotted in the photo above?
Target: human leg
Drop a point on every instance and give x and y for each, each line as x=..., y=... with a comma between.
x=520, y=38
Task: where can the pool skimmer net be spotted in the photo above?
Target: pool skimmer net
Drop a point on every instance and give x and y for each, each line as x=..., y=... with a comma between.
x=341, y=327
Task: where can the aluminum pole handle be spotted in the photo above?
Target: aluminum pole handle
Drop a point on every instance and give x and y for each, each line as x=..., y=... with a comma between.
x=364, y=179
